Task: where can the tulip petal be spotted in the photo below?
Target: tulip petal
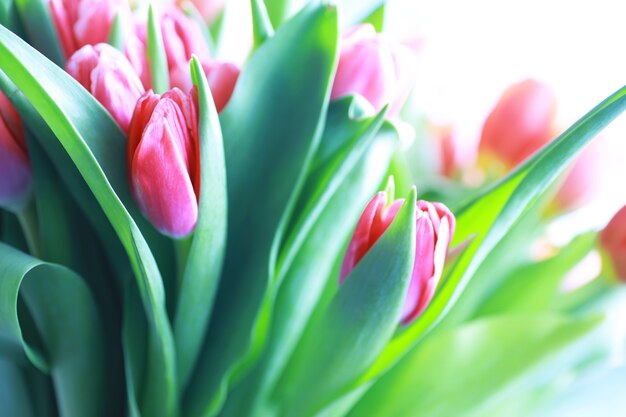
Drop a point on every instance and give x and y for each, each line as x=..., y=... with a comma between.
x=15, y=172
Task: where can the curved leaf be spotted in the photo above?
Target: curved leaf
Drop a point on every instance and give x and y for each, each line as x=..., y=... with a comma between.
x=64, y=313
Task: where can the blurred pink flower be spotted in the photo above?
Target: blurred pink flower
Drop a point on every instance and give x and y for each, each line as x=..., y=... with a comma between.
x=110, y=78
x=370, y=65
x=520, y=124
x=208, y=9
x=182, y=37
x=613, y=242
x=222, y=77
x=15, y=171
x=163, y=161
x=434, y=229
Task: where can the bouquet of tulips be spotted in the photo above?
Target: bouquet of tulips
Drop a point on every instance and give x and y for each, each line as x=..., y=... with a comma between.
x=182, y=236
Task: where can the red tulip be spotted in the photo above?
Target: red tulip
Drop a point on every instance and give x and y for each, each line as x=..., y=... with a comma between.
x=15, y=172
x=163, y=161
x=222, y=77
x=434, y=228
x=84, y=22
x=520, y=124
x=613, y=242
x=379, y=70
x=110, y=78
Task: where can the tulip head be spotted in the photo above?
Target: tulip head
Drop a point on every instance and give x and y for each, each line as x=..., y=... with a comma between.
x=84, y=22
x=182, y=37
x=163, y=161
x=221, y=76
x=374, y=67
x=520, y=124
x=434, y=228
x=110, y=78
x=613, y=244
x=15, y=171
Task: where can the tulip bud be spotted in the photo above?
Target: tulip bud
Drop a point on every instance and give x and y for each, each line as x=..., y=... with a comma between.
x=379, y=70
x=181, y=38
x=613, y=243
x=163, y=161
x=434, y=228
x=84, y=22
x=110, y=78
x=222, y=77
x=15, y=172
x=520, y=124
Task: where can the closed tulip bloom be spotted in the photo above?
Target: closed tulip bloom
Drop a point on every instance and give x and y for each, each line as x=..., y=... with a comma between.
x=84, y=22
x=163, y=161
x=222, y=77
x=110, y=78
x=182, y=37
x=434, y=228
x=613, y=243
x=520, y=124
x=15, y=171
x=370, y=65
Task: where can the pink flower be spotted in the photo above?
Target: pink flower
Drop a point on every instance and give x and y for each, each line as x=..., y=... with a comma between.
x=521, y=122
x=379, y=70
x=222, y=77
x=163, y=161
x=110, y=78
x=84, y=22
x=584, y=179
x=434, y=228
x=208, y=9
x=613, y=242
x=182, y=37
x=15, y=171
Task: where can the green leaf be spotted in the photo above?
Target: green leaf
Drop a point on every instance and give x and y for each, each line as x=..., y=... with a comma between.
x=40, y=31
x=117, y=35
x=81, y=124
x=265, y=119
x=206, y=255
x=63, y=310
x=491, y=216
x=534, y=287
x=157, y=59
x=357, y=324
x=357, y=11
x=350, y=165
x=261, y=26
x=474, y=368
x=14, y=393
x=377, y=18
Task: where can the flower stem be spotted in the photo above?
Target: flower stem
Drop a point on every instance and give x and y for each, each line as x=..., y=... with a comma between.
x=28, y=221
x=182, y=247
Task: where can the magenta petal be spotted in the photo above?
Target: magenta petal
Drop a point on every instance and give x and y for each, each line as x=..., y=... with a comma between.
x=15, y=172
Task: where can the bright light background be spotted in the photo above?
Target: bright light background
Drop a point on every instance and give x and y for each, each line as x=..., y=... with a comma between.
x=472, y=50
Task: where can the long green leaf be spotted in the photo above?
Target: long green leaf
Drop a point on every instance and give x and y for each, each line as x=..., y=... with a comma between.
x=265, y=121
x=206, y=255
x=64, y=313
x=472, y=369
x=96, y=146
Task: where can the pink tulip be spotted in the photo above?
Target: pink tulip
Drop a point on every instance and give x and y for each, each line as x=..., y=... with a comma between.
x=379, y=70
x=222, y=77
x=520, y=124
x=84, y=22
x=584, y=179
x=182, y=37
x=15, y=172
x=208, y=9
x=163, y=161
x=434, y=228
x=110, y=78
x=613, y=242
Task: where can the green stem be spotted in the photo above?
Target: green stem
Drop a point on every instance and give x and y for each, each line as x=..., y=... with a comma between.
x=28, y=221
x=181, y=247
